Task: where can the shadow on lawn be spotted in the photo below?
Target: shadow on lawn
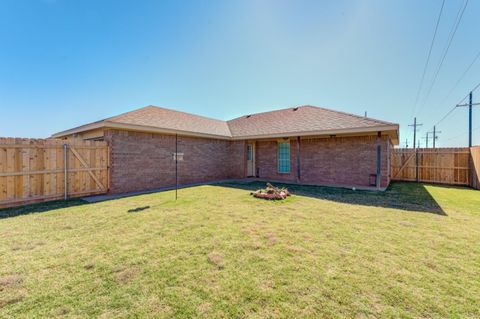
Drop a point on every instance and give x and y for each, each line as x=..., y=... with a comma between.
x=39, y=207
x=404, y=196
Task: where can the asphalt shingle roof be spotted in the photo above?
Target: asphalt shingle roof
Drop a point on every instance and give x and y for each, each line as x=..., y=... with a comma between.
x=290, y=121
x=297, y=120
x=160, y=117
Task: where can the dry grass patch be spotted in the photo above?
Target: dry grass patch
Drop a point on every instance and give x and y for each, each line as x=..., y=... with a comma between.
x=10, y=281
x=216, y=259
x=11, y=300
x=126, y=275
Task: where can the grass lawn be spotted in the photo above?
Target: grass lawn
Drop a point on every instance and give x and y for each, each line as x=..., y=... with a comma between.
x=413, y=251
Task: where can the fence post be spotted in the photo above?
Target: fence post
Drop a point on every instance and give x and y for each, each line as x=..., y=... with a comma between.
x=416, y=165
x=65, y=170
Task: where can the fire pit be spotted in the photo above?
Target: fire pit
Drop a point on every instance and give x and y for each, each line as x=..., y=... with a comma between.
x=271, y=193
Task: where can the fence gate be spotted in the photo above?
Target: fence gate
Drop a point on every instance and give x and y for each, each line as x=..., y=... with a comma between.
x=35, y=170
x=432, y=165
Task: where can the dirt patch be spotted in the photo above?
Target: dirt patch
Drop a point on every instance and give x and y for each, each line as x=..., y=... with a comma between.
x=62, y=311
x=307, y=237
x=16, y=247
x=255, y=245
x=10, y=280
x=296, y=249
x=89, y=266
x=204, y=307
x=27, y=246
x=216, y=259
x=6, y=302
x=271, y=239
x=127, y=275
x=407, y=224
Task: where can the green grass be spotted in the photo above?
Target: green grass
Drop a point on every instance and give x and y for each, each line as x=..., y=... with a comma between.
x=413, y=251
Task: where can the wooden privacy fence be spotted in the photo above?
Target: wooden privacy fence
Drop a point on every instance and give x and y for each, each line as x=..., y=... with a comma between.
x=453, y=166
x=35, y=170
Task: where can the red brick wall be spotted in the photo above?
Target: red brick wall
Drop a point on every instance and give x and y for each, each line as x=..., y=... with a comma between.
x=142, y=161
x=237, y=159
x=266, y=161
x=337, y=161
x=343, y=161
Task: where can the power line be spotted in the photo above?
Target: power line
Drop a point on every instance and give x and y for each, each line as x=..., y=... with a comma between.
x=428, y=57
x=445, y=52
x=461, y=77
x=455, y=137
x=455, y=107
x=462, y=134
x=446, y=115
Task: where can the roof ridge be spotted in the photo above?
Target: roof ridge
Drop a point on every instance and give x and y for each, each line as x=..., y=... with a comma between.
x=175, y=111
x=165, y=108
x=265, y=112
x=350, y=114
x=124, y=113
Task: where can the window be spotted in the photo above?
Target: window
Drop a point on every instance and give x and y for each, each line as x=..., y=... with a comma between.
x=284, y=157
x=249, y=152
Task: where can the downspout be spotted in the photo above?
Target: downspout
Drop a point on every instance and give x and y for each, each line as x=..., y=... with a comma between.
x=379, y=161
x=298, y=159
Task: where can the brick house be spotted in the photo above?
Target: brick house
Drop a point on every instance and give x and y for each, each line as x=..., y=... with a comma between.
x=305, y=144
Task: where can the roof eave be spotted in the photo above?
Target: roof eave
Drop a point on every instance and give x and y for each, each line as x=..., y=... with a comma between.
x=151, y=129
x=79, y=129
x=133, y=127
x=381, y=128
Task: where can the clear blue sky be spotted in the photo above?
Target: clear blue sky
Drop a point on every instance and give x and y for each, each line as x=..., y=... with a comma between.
x=64, y=63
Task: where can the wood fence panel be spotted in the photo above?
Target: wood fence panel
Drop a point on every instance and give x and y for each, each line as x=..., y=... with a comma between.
x=403, y=164
x=440, y=165
x=32, y=170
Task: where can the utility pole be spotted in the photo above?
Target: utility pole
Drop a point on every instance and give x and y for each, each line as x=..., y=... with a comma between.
x=435, y=136
x=406, y=143
x=415, y=125
x=470, y=106
x=426, y=139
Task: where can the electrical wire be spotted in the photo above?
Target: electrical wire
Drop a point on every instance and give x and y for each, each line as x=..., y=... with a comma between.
x=428, y=57
x=446, y=115
x=461, y=78
x=445, y=52
x=455, y=106
x=463, y=134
